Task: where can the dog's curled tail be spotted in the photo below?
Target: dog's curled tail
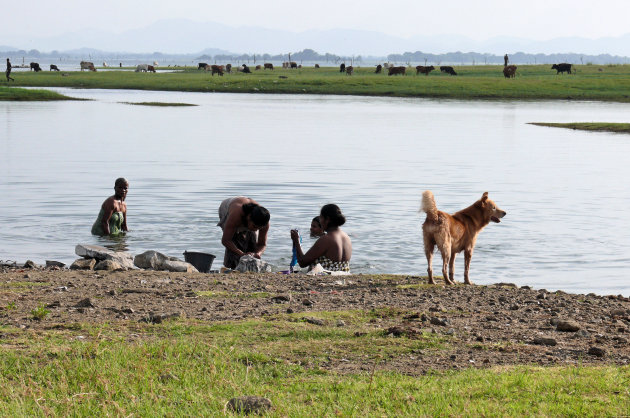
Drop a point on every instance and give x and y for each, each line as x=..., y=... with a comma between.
x=428, y=206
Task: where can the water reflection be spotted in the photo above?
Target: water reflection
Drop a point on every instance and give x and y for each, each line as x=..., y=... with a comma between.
x=114, y=242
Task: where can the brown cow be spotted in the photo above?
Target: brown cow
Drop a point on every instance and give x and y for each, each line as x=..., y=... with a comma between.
x=509, y=71
x=150, y=68
x=424, y=70
x=396, y=70
x=228, y=68
x=215, y=69
x=259, y=67
x=268, y=65
x=349, y=70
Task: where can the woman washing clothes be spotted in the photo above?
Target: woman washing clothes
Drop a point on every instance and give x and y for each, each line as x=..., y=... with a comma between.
x=332, y=250
x=112, y=218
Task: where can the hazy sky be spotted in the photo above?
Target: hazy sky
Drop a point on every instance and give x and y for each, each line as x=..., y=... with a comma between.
x=480, y=19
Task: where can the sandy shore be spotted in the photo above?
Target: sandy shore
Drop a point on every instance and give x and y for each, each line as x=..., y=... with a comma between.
x=487, y=325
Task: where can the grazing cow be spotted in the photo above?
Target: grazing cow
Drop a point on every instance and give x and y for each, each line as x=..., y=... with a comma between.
x=228, y=68
x=268, y=65
x=150, y=68
x=342, y=68
x=246, y=69
x=87, y=65
x=202, y=65
x=293, y=64
x=509, y=71
x=448, y=70
x=53, y=67
x=142, y=68
x=349, y=70
x=285, y=65
x=316, y=65
x=35, y=66
x=379, y=69
x=215, y=69
x=258, y=67
x=396, y=70
x=561, y=68
x=424, y=70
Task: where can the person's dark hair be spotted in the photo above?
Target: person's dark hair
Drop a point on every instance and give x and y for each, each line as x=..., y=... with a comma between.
x=120, y=180
x=334, y=215
x=316, y=220
x=259, y=215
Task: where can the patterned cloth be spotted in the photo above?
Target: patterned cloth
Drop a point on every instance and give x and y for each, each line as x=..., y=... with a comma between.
x=115, y=223
x=330, y=265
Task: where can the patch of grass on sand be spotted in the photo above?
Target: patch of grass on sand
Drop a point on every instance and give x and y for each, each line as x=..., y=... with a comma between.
x=30, y=95
x=163, y=104
x=184, y=368
x=589, y=126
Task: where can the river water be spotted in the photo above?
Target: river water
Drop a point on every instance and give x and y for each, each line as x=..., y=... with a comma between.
x=565, y=191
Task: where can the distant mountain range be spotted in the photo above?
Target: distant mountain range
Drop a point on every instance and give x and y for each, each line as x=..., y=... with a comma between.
x=180, y=36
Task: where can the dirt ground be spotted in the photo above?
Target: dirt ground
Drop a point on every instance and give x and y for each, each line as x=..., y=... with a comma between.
x=489, y=325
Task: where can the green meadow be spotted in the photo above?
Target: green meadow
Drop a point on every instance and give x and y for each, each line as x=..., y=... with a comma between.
x=589, y=126
x=188, y=368
x=27, y=95
x=533, y=82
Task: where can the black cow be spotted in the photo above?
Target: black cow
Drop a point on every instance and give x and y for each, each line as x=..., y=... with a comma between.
x=342, y=68
x=448, y=70
x=202, y=65
x=379, y=68
x=561, y=68
x=246, y=69
x=293, y=64
x=53, y=67
x=35, y=66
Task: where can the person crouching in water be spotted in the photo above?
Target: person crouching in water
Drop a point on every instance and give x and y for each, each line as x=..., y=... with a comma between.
x=332, y=250
x=112, y=218
x=245, y=225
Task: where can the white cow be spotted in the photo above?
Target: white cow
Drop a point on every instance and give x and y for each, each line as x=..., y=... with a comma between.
x=142, y=68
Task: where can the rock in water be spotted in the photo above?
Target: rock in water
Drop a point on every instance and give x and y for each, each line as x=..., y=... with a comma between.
x=247, y=263
x=248, y=405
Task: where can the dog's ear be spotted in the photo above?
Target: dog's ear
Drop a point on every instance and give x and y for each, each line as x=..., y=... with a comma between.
x=484, y=197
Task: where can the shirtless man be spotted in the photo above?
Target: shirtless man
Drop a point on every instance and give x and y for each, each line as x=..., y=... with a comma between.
x=245, y=225
x=112, y=218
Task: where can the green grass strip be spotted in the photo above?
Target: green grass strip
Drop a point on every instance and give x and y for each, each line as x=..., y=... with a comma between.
x=590, y=126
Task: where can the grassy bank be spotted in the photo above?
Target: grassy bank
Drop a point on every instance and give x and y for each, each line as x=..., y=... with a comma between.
x=589, y=126
x=605, y=83
x=184, y=368
x=26, y=95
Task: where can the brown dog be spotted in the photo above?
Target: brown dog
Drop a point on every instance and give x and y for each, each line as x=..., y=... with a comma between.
x=454, y=233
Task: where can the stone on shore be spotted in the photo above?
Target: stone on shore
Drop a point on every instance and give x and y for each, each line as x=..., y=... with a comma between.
x=247, y=263
x=83, y=264
x=108, y=265
x=157, y=261
x=567, y=326
x=102, y=253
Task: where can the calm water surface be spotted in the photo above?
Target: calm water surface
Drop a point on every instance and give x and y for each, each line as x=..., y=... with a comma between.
x=565, y=191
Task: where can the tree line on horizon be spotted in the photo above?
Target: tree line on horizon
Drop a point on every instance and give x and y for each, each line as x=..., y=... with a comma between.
x=309, y=55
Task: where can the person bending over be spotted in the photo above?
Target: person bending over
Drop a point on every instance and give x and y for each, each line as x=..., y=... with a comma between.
x=332, y=250
x=245, y=225
x=112, y=218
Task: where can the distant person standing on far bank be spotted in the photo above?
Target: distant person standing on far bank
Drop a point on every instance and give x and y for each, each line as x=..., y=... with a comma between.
x=8, y=72
x=505, y=60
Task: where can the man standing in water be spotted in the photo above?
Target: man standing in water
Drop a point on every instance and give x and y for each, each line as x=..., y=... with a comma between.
x=245, y=225
x=8, y=72
x=112, y=218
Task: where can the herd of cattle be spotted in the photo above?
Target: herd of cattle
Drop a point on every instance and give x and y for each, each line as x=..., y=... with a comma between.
x=509, y=71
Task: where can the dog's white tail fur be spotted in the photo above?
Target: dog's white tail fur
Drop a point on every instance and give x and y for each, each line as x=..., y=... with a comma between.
x=428, y=205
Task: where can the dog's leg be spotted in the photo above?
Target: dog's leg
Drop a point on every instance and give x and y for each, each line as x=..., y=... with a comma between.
x=446, y=259
x=451, y=268
x=467, y=257
x=428, y=251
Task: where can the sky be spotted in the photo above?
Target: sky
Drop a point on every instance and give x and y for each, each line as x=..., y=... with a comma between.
x=22, y=21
